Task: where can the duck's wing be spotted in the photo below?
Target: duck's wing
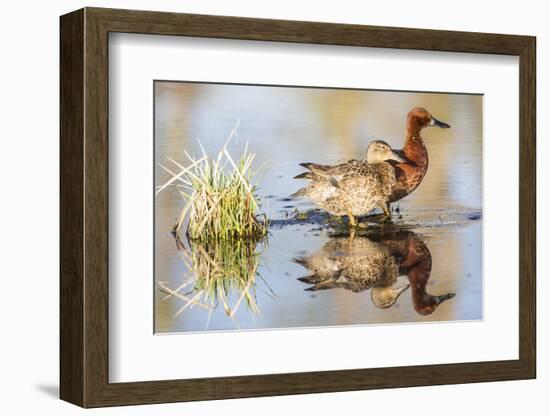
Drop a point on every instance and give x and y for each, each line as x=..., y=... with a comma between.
x=312, y=168
x=324, y=272
x=323, y=285
x=335, y=173
x=352, y=168
x=307, y=175
x=379, y=178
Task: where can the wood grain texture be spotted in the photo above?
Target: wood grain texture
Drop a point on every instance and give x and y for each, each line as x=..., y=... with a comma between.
x=84, y=207
x=226, y=27
x=71, y=100
x=96, y=207
x=527, y=207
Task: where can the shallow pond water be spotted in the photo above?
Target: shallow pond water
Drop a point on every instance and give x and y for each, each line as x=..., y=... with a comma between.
x=432, y=253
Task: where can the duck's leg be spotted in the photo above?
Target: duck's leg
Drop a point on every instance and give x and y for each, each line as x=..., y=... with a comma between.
x=352, y=225
x=352, y=220
x=386, y=207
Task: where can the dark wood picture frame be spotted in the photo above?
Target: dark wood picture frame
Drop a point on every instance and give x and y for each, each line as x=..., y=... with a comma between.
x=84, y=207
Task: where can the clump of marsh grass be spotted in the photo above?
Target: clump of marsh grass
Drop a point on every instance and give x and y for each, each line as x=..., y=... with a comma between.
x=222, y=272
x=221, y=200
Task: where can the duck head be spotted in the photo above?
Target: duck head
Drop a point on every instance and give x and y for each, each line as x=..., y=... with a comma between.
x=379, y=151
x=419, y=118
x=384, y=297
x=426, y=304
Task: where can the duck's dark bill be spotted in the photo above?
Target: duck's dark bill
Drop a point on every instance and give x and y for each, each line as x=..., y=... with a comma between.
x=436, y=122
x=395, y=155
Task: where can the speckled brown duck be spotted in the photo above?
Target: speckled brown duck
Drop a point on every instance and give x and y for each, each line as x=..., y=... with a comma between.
x=411, y=171
x=356, y=187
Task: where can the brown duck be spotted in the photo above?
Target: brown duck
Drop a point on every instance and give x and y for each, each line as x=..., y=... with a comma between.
x=412, y=170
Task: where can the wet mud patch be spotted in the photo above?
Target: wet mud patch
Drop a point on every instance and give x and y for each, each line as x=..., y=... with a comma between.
x=320, y=220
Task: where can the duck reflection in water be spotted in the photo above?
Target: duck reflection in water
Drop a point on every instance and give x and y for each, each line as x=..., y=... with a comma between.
x=375, y=262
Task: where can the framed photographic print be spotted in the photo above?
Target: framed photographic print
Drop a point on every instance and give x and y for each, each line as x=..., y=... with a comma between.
x=255, y=207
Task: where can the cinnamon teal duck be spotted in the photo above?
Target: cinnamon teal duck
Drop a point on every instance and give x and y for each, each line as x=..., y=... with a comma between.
x=412, y=170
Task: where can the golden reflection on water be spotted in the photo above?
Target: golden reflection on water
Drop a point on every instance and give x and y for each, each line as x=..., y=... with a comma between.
x=286, y=126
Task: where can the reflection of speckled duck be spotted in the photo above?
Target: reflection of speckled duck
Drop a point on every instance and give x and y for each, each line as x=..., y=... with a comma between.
x=356, y=187
x=357, y=265
x=376, y=262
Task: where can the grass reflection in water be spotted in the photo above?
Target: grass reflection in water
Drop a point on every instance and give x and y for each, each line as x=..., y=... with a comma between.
x=221, y=273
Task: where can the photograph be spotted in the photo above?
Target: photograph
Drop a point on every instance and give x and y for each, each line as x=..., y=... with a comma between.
x=286, y=207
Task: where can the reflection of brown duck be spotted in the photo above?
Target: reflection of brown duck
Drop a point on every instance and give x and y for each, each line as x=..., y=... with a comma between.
x=354, y=264
x=375, y=263
x=410, y=173
x=415, y=261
